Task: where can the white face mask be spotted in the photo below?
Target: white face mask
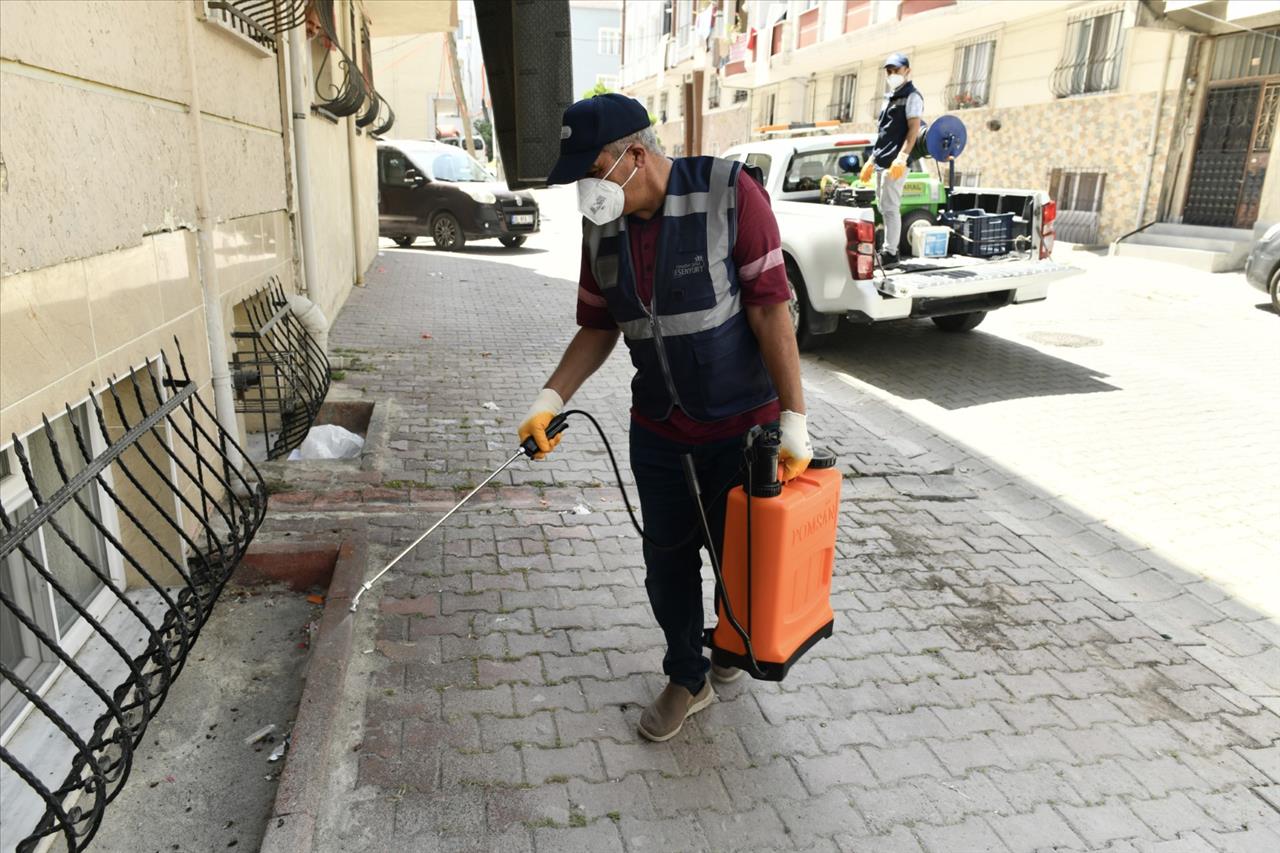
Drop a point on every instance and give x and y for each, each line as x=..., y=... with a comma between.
x=602, y=201
x=895, y=81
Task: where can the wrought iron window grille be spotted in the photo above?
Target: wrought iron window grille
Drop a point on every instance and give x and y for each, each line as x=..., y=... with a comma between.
x=1091, y=58
x=351, y=93
x=197, y=526
x=258, y=21
x=282, y=374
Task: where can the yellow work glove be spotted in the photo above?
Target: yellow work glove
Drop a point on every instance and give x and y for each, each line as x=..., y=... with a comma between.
x=898, y=169
x=867, y=171
x=795, y=452
x=545, y=407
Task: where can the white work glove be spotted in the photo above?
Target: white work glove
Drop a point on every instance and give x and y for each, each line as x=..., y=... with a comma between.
x=795, y=451
x=545, y=407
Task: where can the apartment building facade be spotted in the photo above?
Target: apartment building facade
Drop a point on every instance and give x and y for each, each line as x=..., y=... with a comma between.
x=167, y=170
x=1127, y=112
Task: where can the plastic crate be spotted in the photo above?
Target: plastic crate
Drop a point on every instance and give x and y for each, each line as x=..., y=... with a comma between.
x=979, y=234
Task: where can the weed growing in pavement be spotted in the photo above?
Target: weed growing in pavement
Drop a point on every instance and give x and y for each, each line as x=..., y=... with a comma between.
x=337, y=375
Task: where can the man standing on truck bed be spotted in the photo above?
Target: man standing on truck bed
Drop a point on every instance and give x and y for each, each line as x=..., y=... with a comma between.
x=899, y=128
x=684, y=259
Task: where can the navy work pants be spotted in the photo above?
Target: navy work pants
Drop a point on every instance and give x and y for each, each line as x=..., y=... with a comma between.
x=673, y=578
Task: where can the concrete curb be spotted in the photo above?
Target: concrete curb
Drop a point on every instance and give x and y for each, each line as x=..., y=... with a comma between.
x=305, y=779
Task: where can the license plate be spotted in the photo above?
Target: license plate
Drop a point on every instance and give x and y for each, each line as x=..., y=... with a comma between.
x=522, y=219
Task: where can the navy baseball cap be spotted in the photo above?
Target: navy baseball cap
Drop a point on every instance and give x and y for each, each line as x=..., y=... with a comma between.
x=588, y=126
x=897, y=60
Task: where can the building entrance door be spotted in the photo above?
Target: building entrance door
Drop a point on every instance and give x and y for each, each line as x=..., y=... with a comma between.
x=1231, y=155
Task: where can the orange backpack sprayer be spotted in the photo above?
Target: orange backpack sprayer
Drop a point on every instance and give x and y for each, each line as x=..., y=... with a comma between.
x=773, y=582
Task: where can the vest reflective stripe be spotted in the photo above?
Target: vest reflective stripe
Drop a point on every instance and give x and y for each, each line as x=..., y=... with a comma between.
x=675, y=325
x=697, y=351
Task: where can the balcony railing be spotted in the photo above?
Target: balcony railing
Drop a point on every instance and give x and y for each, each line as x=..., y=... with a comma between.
x=165, y=502
x=258, y=21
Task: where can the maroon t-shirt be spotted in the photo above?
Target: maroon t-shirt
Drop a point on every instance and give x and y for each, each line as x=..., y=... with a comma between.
x=757, y=253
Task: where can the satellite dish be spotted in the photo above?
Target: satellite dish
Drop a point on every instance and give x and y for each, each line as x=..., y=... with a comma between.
x=946, y=138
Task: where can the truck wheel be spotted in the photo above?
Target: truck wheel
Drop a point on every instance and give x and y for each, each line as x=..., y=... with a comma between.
x=959, y=322
x=512, y=242
x=802, y=313
x=1273, y=290
x=904, y=238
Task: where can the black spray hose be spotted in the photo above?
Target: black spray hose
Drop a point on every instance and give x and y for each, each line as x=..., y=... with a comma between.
x=617, y=473
x=691, y=475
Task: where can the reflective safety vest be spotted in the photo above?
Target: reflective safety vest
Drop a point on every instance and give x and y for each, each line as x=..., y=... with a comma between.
x=691, y=345
x=893, y=126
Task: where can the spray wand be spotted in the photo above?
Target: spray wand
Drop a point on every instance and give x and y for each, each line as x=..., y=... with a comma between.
x=528, y=448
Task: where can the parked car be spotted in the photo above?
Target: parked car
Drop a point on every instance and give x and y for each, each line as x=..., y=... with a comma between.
x=428, y=188
x=829, y=238
x=1262, y=269
x=477, y=142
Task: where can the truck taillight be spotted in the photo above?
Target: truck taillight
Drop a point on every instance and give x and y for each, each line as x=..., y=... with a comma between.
x=1048, y=213
x=860, y=247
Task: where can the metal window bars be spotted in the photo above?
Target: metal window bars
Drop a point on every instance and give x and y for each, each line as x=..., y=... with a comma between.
x=258, y=20
x=1091, y=58
x=348, y=96
x=281, y=373
x=187, y=515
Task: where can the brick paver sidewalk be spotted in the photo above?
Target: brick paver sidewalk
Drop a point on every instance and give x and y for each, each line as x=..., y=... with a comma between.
x=978, y=694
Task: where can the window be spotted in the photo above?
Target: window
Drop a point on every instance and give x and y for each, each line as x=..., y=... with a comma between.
x=609, y=81
x=608, y=40
x=805, y=172
x=761, y=162
x=393, y=167
x=971, y=75
x=648, y=104
x=684, y=19
x=808, y=25
x=768, y=108
x=1091, y=61
x=1078, y=194
x=679, y=102
x=713, y=93
x=739, y=96
x=241, y=23
x=662, y=108
x=844, y=89
x=21, y=650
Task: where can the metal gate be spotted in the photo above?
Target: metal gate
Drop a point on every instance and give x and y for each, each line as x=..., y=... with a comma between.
x=1217, y=176
x=1236, y=131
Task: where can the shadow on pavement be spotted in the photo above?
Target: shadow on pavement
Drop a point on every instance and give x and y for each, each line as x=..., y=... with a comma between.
x=469, y=249
x=913, y=360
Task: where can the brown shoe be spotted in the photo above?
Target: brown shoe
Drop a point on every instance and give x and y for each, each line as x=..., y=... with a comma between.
x=665, y=717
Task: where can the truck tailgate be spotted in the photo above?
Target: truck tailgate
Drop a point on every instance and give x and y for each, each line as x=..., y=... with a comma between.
x=964, y=277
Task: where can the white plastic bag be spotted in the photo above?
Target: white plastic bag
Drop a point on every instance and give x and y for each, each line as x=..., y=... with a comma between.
x=330, y=441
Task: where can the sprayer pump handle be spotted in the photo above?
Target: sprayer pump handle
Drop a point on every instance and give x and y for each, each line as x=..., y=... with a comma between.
x=558, y=425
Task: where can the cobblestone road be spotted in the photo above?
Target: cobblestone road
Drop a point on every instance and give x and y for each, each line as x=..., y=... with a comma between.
x=989, y=686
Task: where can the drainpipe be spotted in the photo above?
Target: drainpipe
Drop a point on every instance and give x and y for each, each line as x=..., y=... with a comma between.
x=353, y=171
x=300, y=90
x=206, y=261
x=286, y=141
x=1155, y=135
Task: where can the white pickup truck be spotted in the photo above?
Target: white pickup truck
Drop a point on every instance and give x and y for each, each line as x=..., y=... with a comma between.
x=829, y=248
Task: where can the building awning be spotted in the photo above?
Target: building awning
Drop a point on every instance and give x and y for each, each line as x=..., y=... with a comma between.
x=1222, y=16
x=398, y=18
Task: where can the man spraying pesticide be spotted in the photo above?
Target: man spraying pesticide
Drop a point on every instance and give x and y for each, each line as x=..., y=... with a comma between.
x=682, y=258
